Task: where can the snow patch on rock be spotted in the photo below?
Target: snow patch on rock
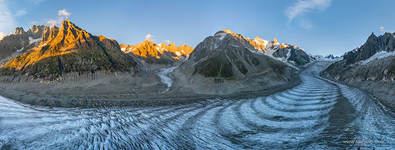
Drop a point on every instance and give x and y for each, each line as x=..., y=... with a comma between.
x=379, y=55
x=31, y=40
x=221, y=35
x=20, y=50
x=178, y=53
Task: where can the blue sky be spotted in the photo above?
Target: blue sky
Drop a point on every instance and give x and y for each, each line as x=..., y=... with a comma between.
x=319, y=26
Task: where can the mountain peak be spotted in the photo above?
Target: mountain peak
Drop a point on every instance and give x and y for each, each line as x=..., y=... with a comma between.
x=172, y=44
x=67, y=21
x=372, y=37
x=33, y=29
x=227, y=31
x=66, y=24
x=48, y=34
x=19, y=30
x=275, y=42
x=148, y=42
x=223, y=31
x=36, y=28
x=101, y=38
x=260, y=40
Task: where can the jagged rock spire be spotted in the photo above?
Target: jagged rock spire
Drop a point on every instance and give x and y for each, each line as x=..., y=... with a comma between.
x=19, y=30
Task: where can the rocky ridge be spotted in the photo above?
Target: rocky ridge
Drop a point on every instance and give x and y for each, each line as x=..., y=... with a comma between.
x=20, y=40
x=161, y=53
x=370, y=66
x=282, y=51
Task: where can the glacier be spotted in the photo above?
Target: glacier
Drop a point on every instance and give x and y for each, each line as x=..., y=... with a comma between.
x=317, y=114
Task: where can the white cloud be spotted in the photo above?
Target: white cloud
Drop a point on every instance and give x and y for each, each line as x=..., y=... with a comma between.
x=64, y=13
x=149, y=37
x=1, y=35
x=7, y=22
x=303, y=6
x=33, y=22
x=382, y=29
x=20, y=13
x=167, y=41
x=52, y=22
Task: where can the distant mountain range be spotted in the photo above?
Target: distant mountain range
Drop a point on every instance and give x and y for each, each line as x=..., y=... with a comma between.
x=158, y=53
x=326, y=57
x=68, y=60
x=44, y=52
x=282, y=51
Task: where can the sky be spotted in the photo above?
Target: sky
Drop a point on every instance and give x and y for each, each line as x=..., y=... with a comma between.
x=319, y=26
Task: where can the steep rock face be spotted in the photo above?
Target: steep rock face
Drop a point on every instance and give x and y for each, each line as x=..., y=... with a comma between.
x=70, y=49
x=373, y=45
x=370, y=47
x=356, y=64
x=226, y=59
x=288, y=53
x=158, y=53
x=48, y=34
x=299, y=57
x=281, y=53
x=230, y=62
x=371, y=66
x=258, y=43
x=20, y=40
